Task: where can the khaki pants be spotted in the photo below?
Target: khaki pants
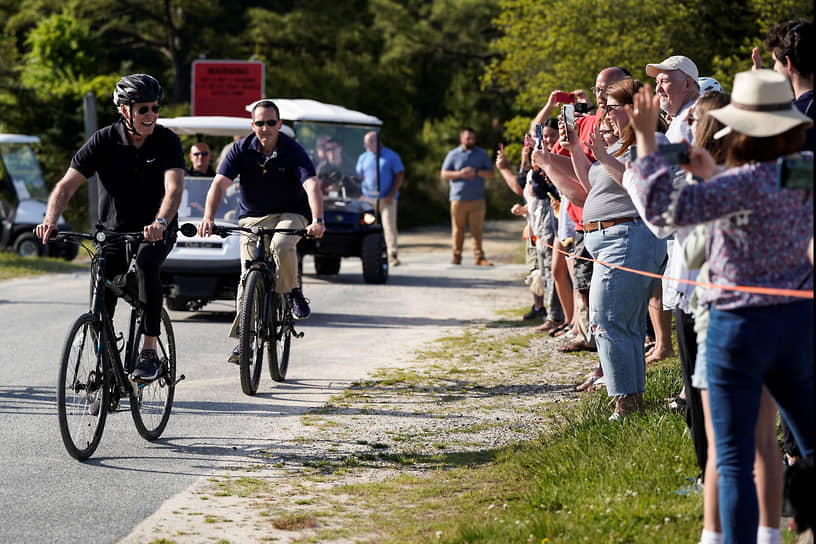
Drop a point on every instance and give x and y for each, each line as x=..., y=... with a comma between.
x=284, y=247
x=388, y=216
x=464, y=214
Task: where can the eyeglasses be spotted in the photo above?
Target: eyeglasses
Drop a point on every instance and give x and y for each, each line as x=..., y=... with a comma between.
x=611, y=107
x=144, y=109
x=201, y=154
x=268, y=122
x=598, y=90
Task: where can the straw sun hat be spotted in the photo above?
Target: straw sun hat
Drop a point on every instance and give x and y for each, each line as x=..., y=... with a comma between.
x=761, y=105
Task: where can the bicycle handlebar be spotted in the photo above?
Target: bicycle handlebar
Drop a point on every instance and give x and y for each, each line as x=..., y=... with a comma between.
x=102, y=236
x=190, y=230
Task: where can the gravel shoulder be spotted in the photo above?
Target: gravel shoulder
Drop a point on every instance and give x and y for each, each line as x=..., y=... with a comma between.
x=475, y=388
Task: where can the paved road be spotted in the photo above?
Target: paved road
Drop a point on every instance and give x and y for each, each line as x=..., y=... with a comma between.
x=48, y=497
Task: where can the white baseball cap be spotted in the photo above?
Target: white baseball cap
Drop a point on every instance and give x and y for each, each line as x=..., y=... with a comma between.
x=677, y=62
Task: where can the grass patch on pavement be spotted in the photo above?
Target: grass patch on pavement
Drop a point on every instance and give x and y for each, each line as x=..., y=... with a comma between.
x=13, y=265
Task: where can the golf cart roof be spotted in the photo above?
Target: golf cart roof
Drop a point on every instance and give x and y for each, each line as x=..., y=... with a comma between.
x=18, y=139
x=291, y=109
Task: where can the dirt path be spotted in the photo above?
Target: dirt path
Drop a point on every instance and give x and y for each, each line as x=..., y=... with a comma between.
x=448, y=397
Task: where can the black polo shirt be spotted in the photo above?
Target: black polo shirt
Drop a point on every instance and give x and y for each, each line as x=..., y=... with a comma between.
x=278, y=188
x=131, y=181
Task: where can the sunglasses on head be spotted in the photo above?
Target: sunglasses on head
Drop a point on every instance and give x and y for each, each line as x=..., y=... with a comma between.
x=269, y=122
x=144, y=109
x=201, y=154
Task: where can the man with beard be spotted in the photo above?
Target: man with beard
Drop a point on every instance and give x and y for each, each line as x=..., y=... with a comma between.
x=466, y=168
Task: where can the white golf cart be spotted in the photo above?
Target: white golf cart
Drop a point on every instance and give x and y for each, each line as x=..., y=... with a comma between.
x=199, y=270
x=23, y=198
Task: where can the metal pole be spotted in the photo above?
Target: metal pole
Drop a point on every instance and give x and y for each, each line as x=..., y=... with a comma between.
x=89, y=107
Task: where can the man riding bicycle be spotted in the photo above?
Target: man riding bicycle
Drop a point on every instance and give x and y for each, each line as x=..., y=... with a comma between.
x=140, y=166
x=279, y=189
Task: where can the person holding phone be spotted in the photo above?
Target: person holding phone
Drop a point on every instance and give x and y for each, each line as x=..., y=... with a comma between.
x=614, y=233
x=753, y=339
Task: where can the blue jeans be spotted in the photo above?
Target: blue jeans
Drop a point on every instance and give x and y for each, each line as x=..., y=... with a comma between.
x=745, y=348
x=619, y=301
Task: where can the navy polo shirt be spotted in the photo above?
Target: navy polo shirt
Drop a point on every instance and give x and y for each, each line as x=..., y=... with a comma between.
x=278, y=188
x=131, y=180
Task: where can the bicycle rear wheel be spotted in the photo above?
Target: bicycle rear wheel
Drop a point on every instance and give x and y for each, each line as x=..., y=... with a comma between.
x=82, y=391
x=281, y=337
x=150, y=403
x=252, y=332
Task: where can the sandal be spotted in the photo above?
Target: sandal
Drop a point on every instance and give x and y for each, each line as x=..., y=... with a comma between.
x=562, y=327
x=548, y=325
x=589, y=381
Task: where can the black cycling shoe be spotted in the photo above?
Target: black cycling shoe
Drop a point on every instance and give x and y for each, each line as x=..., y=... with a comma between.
x=148, y=366
x=300, y=304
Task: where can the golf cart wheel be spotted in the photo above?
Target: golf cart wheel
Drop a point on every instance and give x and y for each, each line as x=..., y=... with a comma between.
x=326, y=265
x=28, y=245
x=375, y=258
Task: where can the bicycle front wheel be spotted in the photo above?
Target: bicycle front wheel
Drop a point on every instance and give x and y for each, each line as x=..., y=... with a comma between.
x=252, y=332
x=281, y=337
x=150, y=403
x=82, y=391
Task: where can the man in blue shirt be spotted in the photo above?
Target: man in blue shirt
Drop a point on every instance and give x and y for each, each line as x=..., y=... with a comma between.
x=392, y=174
x=466, y=168
x=279, y=189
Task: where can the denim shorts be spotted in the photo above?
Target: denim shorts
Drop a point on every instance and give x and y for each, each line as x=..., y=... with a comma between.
x=582, y=268
x=700, y=379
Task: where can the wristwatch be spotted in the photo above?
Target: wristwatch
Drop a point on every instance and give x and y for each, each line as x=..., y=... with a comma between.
x=161, y=221
x=319, y=220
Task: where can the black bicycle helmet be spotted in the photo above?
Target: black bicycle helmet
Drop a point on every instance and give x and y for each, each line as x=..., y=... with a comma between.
x=137, y=88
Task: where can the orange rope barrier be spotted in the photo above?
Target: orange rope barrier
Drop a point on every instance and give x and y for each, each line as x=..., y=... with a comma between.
x=742, y=288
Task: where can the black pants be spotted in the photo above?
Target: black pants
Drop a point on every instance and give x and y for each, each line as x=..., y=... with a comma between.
x=149, y=258
x=687, y=346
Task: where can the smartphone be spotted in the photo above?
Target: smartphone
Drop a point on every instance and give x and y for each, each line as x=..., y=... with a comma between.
x=568, y=115
x=539, y=137
x=564, y=98
x=673, y=153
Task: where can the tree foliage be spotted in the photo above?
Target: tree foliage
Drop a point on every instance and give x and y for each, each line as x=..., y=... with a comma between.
x=425, y=67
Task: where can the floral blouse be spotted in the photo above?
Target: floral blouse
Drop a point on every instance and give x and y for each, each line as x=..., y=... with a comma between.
x=759, y=233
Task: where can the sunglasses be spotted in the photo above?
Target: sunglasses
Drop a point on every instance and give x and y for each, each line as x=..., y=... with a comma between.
x=201, y=154
x=270, y=122
x=144, y=109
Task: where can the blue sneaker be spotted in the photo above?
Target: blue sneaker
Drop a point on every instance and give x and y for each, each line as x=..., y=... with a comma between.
x=300, y=304
x=148, y=366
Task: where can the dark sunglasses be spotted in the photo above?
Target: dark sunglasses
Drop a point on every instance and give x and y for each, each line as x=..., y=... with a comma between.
x=270, y=122
x=201, y=153
x=144, y=109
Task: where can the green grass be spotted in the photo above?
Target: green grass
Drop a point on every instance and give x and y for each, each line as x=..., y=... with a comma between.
x=585, y=480
x=15, y=266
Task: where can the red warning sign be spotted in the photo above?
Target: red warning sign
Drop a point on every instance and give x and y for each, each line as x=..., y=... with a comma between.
x=224, y=87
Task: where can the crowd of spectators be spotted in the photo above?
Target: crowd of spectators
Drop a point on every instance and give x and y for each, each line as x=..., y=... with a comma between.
x=689, y=184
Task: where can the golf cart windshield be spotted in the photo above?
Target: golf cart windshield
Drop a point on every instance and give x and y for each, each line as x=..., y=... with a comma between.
x=194, y=198
x=24, y=171
x=334, y=149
